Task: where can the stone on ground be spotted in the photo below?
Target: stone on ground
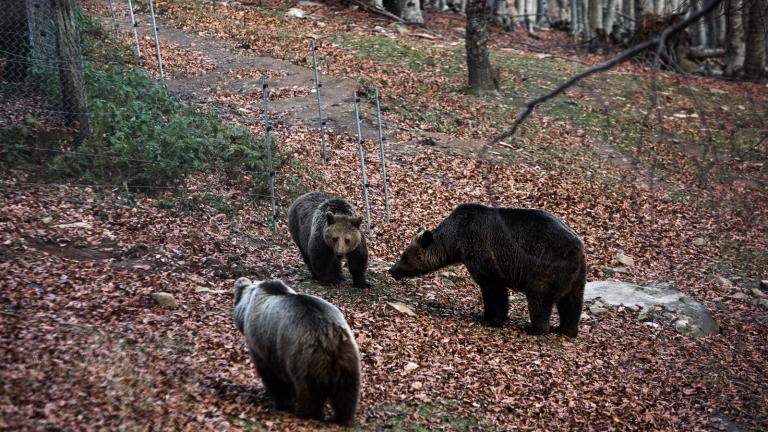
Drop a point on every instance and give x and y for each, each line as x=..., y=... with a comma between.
x=659, y=302
x=402, y=308
x=164, y=300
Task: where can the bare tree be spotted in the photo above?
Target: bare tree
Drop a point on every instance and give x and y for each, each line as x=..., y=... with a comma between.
x=478, y=62
x=408, y=10
x=754, y=60
x=734, y=38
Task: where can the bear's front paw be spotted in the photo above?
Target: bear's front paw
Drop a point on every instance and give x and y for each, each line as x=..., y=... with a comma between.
x=493, y=322
x=361, y=285
x=571, y=333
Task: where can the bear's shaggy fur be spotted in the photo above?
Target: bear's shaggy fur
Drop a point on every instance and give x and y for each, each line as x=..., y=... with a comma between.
x=327, y=229
x=528, y=250
x=302, y=347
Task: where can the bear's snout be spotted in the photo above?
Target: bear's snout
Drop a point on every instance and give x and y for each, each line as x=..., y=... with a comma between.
x=394, y=273
x=339, y=255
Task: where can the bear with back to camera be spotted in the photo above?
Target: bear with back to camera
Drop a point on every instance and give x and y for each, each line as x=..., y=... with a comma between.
x=302, y=347
x=327, y=229
x=528, y=250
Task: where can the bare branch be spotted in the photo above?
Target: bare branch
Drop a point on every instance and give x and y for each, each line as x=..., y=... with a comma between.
x=657, y=41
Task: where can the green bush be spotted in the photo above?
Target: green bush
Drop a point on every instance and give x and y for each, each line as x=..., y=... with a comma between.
x=139, y=135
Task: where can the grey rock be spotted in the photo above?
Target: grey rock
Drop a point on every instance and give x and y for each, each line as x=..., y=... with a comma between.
x=739, y=296
x=764, y=284
x=75, y=225
x=699, y=241
x=295, y=13
x=689, y=316
x=402, y=308
x=597, y=310
x=204, y=290
x=723, y=282
x=625, y=260
x=758, y=293
x=763, y=302
x=610, y=271
x=305, y=3
x=460, y=30
x=164, y=300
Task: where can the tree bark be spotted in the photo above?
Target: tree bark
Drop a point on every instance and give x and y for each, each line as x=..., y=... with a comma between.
x=754, y=60
x=628, y=9
x=71, y=77
x=478, y=62
x=610, y=16
x=501, y=15
x=408, y=10
x=594, y=18
x=734, y=38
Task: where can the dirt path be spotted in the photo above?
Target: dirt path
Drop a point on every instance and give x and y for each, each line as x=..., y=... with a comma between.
x=237, y=72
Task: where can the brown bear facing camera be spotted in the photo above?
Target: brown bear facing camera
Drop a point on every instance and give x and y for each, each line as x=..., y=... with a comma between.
x=327, y=229
x=528, y=250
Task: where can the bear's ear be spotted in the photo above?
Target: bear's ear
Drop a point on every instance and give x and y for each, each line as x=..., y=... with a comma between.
x=356, y=221
x=425, y=238
x=329, y=218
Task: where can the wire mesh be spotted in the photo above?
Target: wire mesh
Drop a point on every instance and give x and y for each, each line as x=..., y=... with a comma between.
x=41, y=67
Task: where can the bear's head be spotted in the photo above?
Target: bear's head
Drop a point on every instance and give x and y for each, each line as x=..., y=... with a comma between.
x=415, y=260
x=240, y=285
x=342, y=233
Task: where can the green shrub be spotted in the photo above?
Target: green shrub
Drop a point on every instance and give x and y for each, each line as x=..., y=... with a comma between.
x=139, y=135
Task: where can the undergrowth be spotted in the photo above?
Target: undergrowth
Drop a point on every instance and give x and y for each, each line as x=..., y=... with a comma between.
x=140, y=136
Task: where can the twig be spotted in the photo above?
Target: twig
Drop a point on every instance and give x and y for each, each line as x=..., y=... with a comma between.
x=657, y=41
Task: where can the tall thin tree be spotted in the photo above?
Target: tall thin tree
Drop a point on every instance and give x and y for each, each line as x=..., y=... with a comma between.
x=478, y=61
x=754, y=59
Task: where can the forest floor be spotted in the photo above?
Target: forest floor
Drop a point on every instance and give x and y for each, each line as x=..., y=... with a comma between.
x=667, y=169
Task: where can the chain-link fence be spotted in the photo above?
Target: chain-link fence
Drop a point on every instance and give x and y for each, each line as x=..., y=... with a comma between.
x=41, y=67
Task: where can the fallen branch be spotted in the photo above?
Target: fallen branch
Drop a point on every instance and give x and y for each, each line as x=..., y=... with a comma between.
x=705, y=53
x=657, y=41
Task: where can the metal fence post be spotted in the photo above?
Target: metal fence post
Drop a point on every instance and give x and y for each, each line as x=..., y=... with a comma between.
x=383, y=156
x=318, y=84
x=114, y=17
x=362, y=159
x=157, y=42
x=135, y=32
x=267, y=129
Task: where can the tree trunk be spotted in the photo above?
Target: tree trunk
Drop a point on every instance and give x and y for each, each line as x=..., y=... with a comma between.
x=14, y=40
x=754, y=60
x=478, y=62
x=610, y=16
x=594, y=19
x=541, y=13
x=628, y=9
x=501, y=15
x=408, y=10
x=734, y=38
x=71, y=77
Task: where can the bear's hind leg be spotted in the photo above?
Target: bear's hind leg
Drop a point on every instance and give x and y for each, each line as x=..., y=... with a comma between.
x=344, y=399
x=569, y=309
x=280, y=391
x=310, y=401
x=540, y=310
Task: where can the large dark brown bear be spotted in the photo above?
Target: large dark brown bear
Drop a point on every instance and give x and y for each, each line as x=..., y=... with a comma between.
x=326, y=230
x=302, y=347
x=528, y=250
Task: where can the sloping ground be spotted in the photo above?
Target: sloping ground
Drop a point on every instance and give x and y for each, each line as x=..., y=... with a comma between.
x=85, y=346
